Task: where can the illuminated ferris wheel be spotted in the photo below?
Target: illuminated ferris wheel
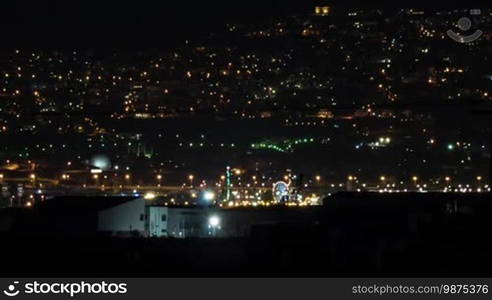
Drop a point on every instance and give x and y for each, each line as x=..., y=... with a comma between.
x=281, y=191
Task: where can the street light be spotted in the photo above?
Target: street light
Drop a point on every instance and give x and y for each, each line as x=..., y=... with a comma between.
x=208, y=196
x=214, y=224
x=190, y=178
x=214, y=221
x=96, y=179
x=33, y=178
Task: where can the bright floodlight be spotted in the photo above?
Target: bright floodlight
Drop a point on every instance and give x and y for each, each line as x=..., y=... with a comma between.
x=214, y=221
x=149, y=196
x=208, y=196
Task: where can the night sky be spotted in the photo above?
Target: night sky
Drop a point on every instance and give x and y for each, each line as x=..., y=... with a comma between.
x=140, y=24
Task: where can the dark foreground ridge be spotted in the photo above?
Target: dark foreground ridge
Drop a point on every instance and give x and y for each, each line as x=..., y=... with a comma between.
x=353, y=234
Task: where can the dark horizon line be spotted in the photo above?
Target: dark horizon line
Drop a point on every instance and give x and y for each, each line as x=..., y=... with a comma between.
x=108, y=25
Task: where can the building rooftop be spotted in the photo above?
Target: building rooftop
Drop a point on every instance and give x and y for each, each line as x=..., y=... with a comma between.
x=82, y=203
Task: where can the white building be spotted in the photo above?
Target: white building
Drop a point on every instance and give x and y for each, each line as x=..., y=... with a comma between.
x=123, y=218
x=156, y=223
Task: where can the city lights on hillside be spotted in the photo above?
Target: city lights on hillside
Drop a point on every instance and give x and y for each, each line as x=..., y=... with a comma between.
x=125, y=125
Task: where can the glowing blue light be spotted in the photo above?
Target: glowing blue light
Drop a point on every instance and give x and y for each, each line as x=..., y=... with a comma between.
x=101, y=162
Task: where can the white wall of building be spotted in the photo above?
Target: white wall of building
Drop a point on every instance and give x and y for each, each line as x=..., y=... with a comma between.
x=157, y=221
x=186, y=222
x=126, y=217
